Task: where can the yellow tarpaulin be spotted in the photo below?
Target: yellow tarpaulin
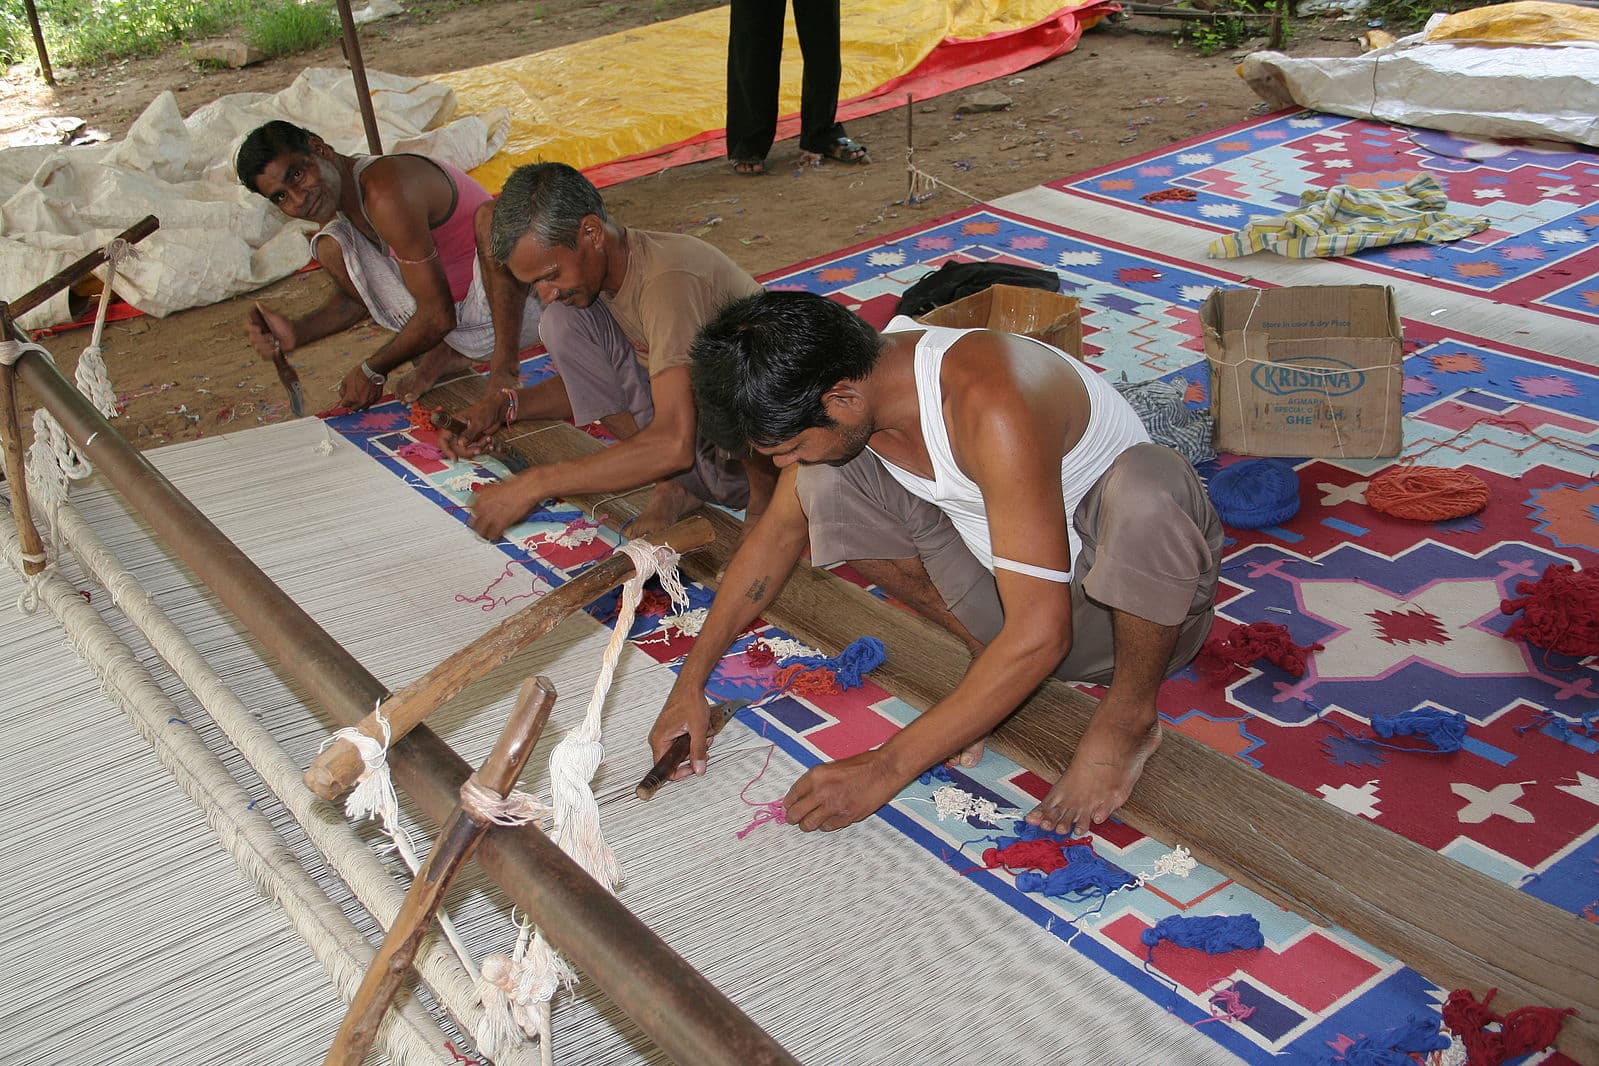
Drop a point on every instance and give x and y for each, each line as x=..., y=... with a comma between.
x=1527, y=22
x=640, y=90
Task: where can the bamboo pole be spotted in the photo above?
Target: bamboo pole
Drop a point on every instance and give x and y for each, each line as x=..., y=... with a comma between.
x=363, y=94
x=38, y=43
x=1326, y=864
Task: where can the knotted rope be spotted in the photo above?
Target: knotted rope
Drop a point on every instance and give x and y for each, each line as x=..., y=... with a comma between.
x=517, y=989
x=52, y=461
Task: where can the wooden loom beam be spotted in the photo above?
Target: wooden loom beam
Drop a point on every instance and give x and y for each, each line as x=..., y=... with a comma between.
x=1455, y=926
x=671, y=1002
x=334, y=771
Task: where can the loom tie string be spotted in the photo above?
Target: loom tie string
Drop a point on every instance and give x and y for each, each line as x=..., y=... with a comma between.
x=1523, y=1030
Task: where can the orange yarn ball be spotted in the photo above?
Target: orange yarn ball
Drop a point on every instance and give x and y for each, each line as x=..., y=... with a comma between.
x=1427, y=493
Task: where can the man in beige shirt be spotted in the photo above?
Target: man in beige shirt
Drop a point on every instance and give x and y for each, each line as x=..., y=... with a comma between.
x=621, y=307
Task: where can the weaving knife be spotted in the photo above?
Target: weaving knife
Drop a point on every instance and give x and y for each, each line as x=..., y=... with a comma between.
x=720, y=715
x=512, y=460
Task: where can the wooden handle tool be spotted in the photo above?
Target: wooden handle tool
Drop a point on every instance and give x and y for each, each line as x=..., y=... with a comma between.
x=454, y=846
x=661, y=772
x=513, y=460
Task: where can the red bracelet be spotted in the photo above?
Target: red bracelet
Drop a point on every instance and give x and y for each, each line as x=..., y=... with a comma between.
x=510, y=405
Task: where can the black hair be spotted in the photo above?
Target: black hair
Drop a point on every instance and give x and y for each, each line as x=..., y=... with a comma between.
x=548, y=200
x=761, y=366
x=266, y=143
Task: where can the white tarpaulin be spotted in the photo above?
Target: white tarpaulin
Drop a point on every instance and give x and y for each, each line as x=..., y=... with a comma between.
x=1541, y=91
x=216, y=239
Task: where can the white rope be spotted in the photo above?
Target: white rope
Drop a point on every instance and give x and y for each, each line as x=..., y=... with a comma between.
x=373, y=797
x=410, y=1034
x=529, y=978
x=94, y=382
x=115, y=252
x=514, y=808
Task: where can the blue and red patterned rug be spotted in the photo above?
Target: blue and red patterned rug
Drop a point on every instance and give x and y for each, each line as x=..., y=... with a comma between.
x=1408, y=614
x=1541, y=248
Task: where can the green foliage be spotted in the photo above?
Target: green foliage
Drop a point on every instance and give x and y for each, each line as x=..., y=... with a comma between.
x=1229, y=29
x=93, y=32
x=289, y=26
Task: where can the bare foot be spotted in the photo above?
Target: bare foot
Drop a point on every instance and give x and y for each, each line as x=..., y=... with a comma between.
x=1101, y=776
x=669, y=502
x=270, y=333
x=968, y=758
x=443, y=361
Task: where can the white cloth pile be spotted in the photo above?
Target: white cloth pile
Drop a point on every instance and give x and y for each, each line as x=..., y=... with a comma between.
x=216, y=238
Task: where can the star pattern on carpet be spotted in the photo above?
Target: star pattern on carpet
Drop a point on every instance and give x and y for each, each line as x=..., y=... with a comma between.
x=1483, y=804
x=1585, y=788
x=1356, y=799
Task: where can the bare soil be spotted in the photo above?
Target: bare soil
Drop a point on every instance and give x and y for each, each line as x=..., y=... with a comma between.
x=1126, y=89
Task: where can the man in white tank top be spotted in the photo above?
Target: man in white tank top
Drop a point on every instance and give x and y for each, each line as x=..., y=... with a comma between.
x=991, y=483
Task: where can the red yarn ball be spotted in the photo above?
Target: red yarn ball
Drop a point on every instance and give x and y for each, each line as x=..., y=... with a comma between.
x=1427, y=493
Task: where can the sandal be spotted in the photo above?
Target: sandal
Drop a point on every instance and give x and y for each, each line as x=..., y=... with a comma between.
x=842, y=150
x=749, y=168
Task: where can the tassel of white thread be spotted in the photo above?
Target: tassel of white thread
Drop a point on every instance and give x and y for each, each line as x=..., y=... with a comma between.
x=325, y=445
x=952, y=801
x=537, y=971
x=516, y=990
x=373, y=797
x=91, y=376
x=577, y=757
x=1175, y=863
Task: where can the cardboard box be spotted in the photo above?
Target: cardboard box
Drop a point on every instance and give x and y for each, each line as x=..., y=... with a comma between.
x=1309, y=370
x=1045, y=316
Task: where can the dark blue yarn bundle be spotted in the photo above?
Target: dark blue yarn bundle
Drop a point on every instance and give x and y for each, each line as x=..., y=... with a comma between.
x=851, y=665
x=1084, y=874
x=1394, y=1047
x=1255, y=493
x=1213, y=934
x=1445, y=730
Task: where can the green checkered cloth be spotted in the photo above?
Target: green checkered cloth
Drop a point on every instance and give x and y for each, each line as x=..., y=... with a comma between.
x=1344, y=219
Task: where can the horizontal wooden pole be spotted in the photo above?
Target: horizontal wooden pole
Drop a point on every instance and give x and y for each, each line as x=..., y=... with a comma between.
x=77, y=271
x=1455, y=926
x=335, y=770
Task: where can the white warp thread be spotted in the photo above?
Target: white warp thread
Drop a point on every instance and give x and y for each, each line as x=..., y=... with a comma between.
x=339, y=843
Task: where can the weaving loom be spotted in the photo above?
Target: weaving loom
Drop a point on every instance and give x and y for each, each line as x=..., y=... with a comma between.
x=791, y=926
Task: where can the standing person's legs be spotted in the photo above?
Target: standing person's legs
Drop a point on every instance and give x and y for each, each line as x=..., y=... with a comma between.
x=817, y=24
x=754, y=65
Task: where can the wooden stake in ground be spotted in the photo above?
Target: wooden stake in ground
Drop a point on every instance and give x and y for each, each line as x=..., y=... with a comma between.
x=33, y=559
x=454, y=846
x=335, y=770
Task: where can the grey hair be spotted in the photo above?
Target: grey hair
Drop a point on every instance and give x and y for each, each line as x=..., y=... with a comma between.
x=548, y=200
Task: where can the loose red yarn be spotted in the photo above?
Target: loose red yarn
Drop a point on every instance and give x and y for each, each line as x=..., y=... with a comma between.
x=421, y=418
x=1248, y=644
x=1523, y=1030
x=803, y=680
x=1427, y=493
x=1559, y=611
x=759, y=654
x=1046, y=854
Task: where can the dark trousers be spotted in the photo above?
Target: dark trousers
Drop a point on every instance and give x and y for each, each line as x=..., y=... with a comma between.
x=754, y=60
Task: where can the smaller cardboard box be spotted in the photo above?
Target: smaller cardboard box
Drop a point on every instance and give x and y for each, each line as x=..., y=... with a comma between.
x=1045, y=316
x=1308, y=370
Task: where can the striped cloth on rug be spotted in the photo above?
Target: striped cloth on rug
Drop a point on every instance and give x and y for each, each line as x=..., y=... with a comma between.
x=1162, y=407
x=1345, y=219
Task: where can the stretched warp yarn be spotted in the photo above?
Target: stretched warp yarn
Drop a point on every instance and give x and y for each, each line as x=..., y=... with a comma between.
x=1427, y=493
x=1559, y=611
x=1248, y=644
x=1255, y=493
x=1523, y=1030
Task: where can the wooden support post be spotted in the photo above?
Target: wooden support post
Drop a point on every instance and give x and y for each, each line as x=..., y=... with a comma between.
x=74, y=272
x=1326, y=864
x=363, y=94
x=16, y=472
x=38, y=43
x=334, y=771
x=451, y=849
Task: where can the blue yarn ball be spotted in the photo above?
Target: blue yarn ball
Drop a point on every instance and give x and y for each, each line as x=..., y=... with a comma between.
x=1256, y=493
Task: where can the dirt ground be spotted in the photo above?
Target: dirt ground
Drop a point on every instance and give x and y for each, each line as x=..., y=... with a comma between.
x=1126, y=89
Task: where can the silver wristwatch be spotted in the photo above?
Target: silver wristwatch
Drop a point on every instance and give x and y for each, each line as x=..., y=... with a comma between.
x=372, y=375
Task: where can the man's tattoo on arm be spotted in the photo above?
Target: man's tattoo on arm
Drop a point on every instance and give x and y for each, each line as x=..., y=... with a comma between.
x=757, y=589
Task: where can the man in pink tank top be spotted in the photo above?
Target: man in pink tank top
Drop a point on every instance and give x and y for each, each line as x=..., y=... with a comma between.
x=882, y=440
x=399, y=239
